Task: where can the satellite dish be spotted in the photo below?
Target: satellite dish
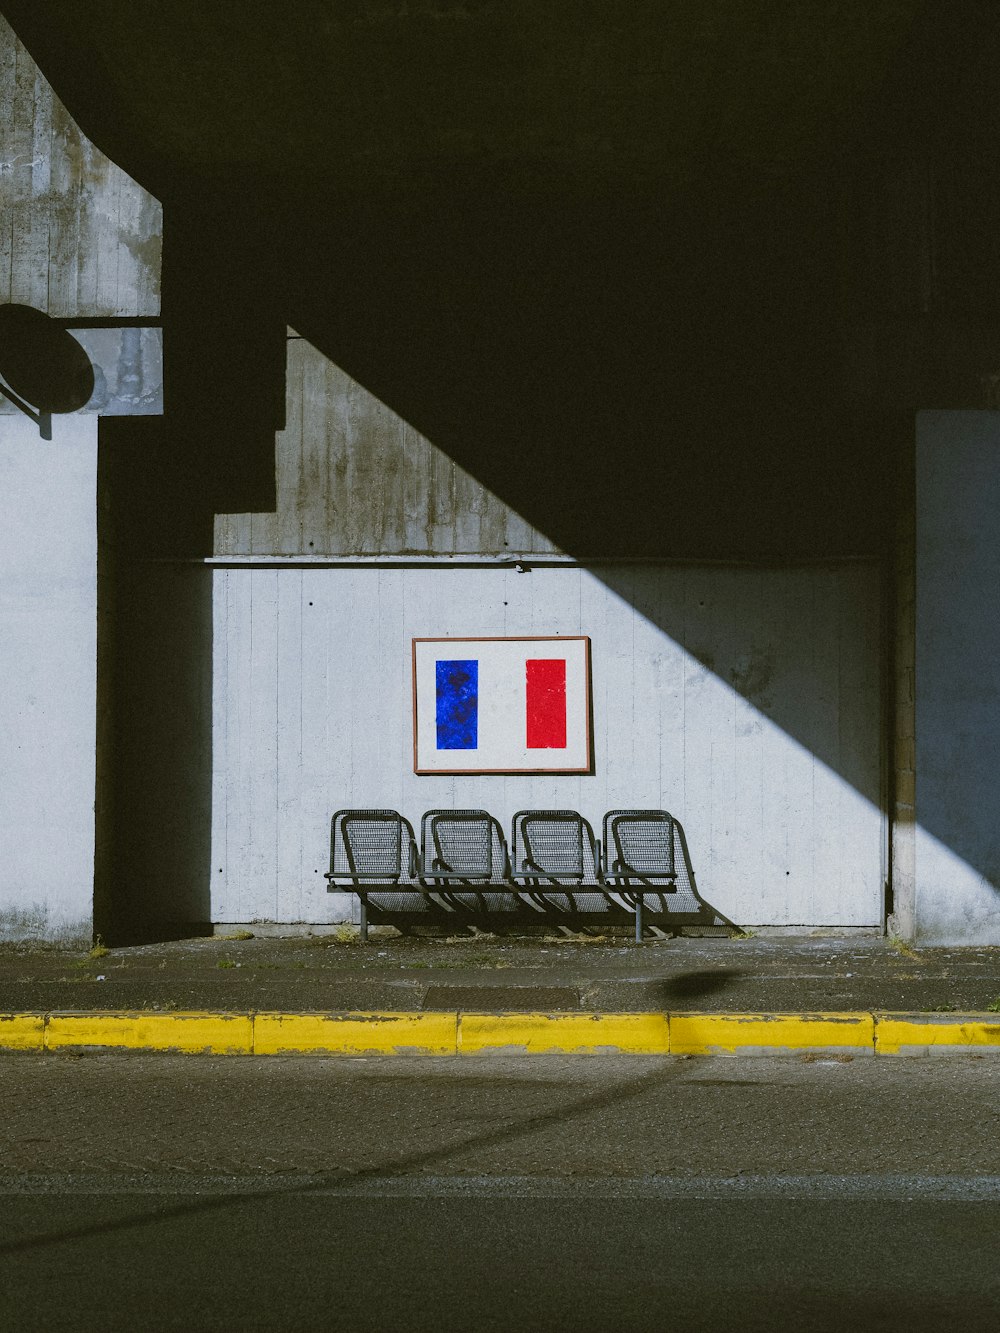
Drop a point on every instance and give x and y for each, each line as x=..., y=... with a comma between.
x=43, y=367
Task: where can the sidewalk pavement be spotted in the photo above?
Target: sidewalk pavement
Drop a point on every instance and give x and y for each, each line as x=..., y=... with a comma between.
x=557, y=993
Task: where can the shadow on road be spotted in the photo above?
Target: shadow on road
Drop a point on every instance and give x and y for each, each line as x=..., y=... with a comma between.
x=628, y=1091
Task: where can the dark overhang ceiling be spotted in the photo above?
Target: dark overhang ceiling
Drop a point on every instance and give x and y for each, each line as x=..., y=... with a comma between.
x=552, y=233
x=568, y=95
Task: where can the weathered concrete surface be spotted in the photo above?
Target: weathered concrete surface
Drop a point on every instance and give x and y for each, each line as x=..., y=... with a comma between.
x=325, y=972
x=355, y=478
x=128, y=372
x=48, y=659
x=78, y=236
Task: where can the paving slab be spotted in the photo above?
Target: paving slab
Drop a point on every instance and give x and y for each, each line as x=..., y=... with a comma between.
x=336, y=973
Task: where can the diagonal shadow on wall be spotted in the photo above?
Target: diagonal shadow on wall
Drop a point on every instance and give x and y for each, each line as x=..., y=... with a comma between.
x=659, y=358
x=615, y=396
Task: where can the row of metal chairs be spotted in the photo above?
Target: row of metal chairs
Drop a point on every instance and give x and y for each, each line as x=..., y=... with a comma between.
x=552, y=865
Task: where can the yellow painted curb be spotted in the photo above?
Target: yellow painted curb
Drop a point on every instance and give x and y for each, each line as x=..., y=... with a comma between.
x=22, y=1032
x=456, y=1033
x=772, y=1034
x=936, y=1034
x=356, y=1034
x=569, y=1034
x=195, y=1033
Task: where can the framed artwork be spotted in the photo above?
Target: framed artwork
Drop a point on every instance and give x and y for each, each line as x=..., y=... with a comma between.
x=502, y=705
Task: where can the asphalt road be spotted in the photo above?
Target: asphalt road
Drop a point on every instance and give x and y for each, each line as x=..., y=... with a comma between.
x=540, y=1193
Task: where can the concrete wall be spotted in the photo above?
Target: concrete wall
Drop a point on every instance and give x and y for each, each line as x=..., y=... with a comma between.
x=354, y=478
x=745, y=700
x=48, y=660
x=312, y=712
x=77, y=235
x=957, y=881
x=259, y=695
x=79, y=240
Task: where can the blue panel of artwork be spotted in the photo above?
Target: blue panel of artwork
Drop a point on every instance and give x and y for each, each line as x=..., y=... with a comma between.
x=457, y=705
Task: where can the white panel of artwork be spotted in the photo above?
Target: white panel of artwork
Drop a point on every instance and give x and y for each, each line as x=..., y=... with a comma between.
x=501, y=705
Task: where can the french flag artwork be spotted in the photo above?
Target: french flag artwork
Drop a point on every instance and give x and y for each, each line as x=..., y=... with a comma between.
x=501, y=705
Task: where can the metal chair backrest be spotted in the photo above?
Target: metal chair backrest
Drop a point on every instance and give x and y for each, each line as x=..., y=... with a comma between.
x=460, y=844
x=557, y=844
x=640, y=842
x=368, y=844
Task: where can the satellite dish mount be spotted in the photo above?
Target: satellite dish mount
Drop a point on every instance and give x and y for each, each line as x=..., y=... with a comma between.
x=43, y=420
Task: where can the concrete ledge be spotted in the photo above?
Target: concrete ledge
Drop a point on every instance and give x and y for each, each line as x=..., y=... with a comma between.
x=937, y=1034
x=356, y=1034
x=772, y=1034
x=22, y=1032
x=563, y=1034
x=468, y=1034
x=182, y=1033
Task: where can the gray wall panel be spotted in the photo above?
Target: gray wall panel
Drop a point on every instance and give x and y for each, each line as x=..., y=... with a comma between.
x=48, y=658
x=321, y=658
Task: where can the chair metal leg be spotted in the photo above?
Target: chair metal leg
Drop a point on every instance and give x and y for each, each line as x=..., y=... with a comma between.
x=364, y=920
x=638, y=919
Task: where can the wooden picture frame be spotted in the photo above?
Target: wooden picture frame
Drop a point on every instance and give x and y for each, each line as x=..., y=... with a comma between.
x=502, y=705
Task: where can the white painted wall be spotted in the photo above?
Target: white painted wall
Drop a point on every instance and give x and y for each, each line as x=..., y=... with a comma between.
x=957, y=678
x=745, y=701
x=48, y=663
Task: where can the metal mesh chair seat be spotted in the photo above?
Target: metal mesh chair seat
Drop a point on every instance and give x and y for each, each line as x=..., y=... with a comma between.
x=466, y=849
x=371, y=846
x=556, y=859
x=461, y=845
x=640, y=849
x=371, y=850
x=463, y=869
x=649, y=868
x=640, y=844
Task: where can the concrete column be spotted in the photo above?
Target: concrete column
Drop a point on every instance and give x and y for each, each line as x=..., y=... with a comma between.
x=902, y=922
x=957, y=678
x=48, y=661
